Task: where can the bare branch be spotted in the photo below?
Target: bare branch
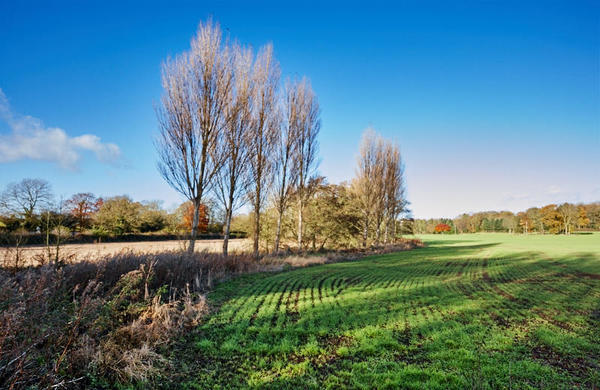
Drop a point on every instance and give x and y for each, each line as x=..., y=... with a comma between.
x=306, y=127
x=264, y=133
x=193, y=114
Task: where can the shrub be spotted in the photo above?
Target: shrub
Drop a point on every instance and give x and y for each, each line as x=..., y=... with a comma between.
x=442, y=228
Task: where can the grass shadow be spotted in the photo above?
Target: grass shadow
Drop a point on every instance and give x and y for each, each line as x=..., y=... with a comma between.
x=441, y=314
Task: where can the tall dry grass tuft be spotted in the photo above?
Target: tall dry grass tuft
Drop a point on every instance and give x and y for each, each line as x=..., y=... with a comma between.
x=103, y=318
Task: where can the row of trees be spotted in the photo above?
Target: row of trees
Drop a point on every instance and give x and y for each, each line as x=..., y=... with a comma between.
x=229, y=131
x=379, y=186
x=364, y=211
x=29, y=206
x=553, y=219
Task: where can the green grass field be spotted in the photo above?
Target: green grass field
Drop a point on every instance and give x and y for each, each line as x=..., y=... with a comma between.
x=468, y=311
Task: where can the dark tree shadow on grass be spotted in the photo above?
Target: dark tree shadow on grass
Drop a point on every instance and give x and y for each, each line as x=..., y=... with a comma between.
x=413, y=315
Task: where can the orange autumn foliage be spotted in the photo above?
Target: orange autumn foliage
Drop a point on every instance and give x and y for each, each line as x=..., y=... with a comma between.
x=188, y=217
x=442, y=228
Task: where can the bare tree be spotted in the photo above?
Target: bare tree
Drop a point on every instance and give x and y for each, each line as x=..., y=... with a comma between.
x=285, y=174
x=26, y=197
x=232, y=180
x=82, y=206
x=378, y=186
x=263, y=134
x=307, y=127
x=568, y=214
x=54, y=226
x=362, y=185
x=192, y=115
x=394, y=199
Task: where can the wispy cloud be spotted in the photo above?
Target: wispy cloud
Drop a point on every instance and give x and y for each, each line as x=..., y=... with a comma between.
x=30, y=139
x=554, y=190
x=509, y=197
x=544, y=195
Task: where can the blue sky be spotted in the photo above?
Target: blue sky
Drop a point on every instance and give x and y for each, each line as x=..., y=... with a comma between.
x=496, y=104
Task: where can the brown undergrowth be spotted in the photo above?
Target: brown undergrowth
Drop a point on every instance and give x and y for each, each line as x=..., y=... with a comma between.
x=103, y=320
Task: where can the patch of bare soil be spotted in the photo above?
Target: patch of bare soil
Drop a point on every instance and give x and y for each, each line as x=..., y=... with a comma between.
x=576, y=366
x=587, y=275
x=499, y=320
x=581, y=275
x=547, y=317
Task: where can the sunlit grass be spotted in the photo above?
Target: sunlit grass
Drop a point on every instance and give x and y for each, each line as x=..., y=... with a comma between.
x=468, y=311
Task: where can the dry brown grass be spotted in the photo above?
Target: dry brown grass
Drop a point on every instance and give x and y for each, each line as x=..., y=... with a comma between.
x=296, y=260
x=37, y=254
x=104, y=317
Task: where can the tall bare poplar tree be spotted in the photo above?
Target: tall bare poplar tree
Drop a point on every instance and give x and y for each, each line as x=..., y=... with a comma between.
x=394, y=188
x=263, y=134
x=378, y=186
x=308, y=125
x=362, y=185
x=285, y=174
x=192, y=115
x=232, y=179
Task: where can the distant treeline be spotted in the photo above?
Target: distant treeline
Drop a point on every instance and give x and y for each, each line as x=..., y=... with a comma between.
x=32, y=215
x=551, y=219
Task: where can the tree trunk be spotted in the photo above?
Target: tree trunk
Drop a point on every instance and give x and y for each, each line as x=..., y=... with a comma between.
x=48, y=236
x=300, y=223
x=365, y=232
x=57, y=253
x=323, y=244
x=387, y=228
x=194, y=232
x=227, y=230
x=281, y=205
x=278, y=232
x=256, y=230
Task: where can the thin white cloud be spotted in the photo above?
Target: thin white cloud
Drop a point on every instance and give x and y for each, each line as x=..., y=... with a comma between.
x=554, y=190
x=30, y=139
x=509, y=197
